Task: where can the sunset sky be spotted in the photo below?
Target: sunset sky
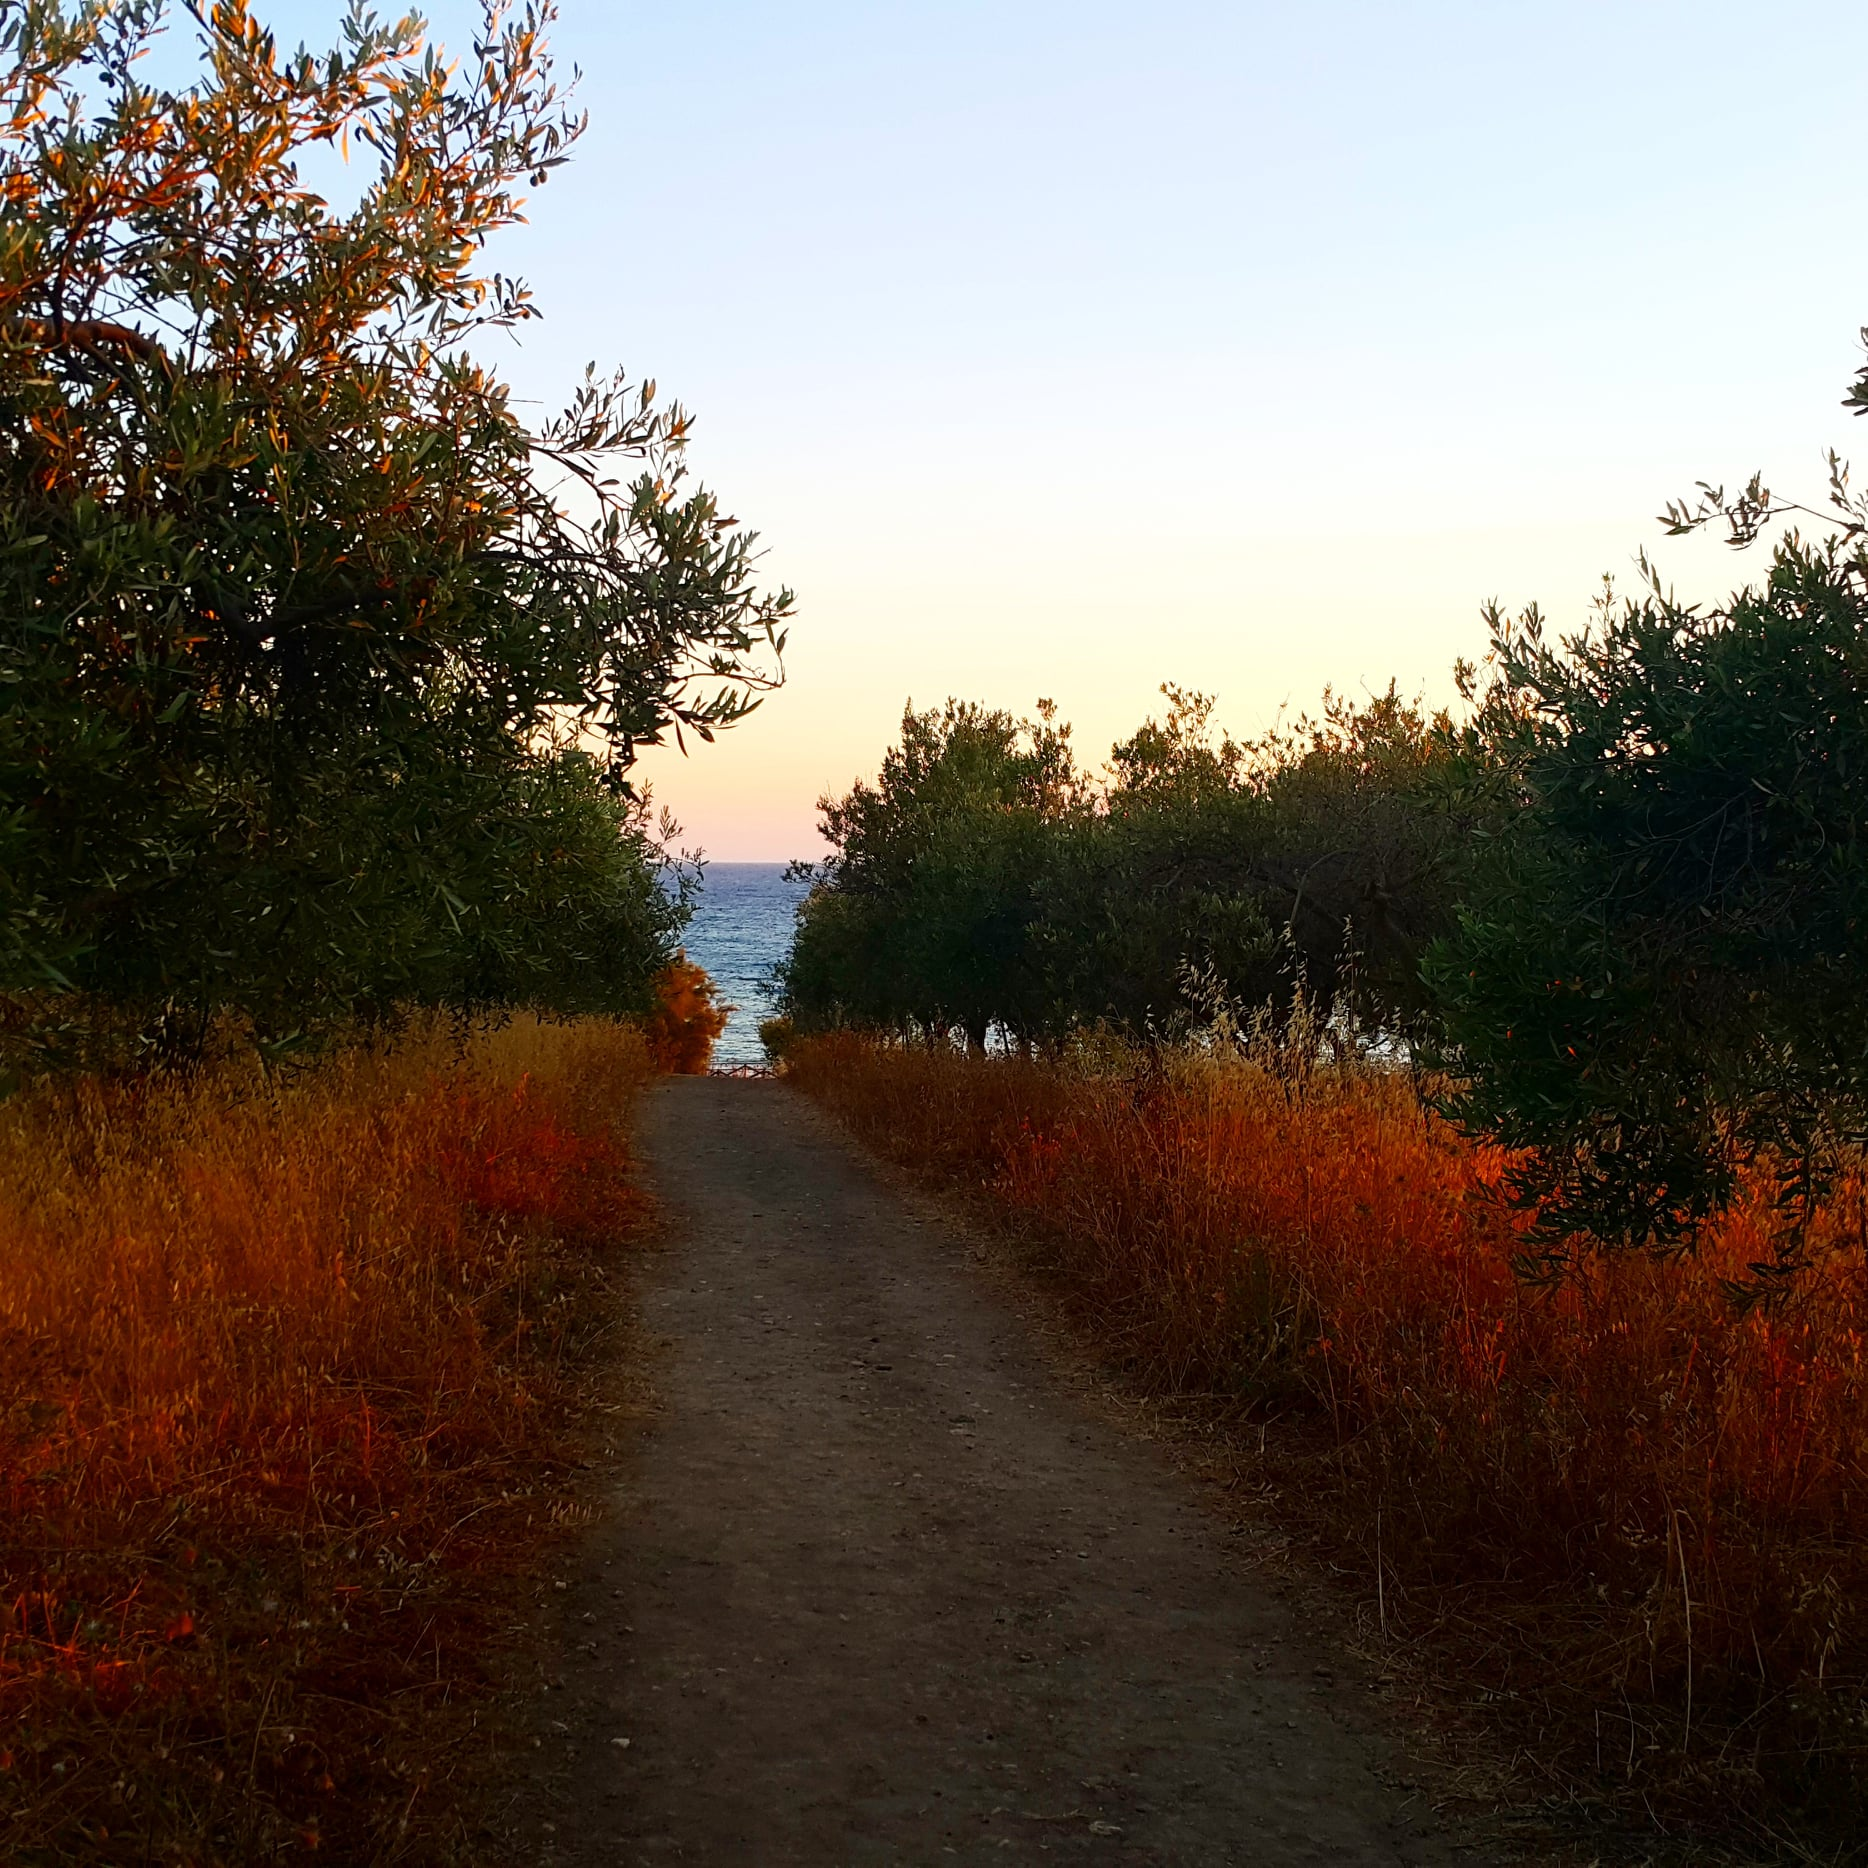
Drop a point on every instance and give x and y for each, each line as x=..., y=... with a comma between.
x=1067, y=349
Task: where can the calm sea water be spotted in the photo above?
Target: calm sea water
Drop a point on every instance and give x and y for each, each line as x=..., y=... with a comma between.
x=740, y=931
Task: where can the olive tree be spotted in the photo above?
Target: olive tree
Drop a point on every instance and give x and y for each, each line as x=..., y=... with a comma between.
x=1658, y=976
x=321, y=668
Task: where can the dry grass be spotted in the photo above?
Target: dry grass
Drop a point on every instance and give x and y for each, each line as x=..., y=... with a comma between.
x=686, y=1022
x=286, y=1368
x=1629, y=1520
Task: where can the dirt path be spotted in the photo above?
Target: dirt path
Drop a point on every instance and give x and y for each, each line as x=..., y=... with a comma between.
x=878, y=1590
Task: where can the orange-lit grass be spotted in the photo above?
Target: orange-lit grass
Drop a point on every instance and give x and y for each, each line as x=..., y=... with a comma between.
x=686, y=1022
x=1639, y=1517
x=283, y=1365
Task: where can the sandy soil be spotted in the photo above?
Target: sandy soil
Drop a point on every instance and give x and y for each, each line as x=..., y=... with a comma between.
x=878, y=1587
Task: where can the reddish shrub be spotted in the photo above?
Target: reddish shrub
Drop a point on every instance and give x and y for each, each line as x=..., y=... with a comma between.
x=284, y=1372
x=686, y=1022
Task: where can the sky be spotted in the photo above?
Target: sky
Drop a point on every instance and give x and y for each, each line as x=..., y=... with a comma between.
x=1066, y=349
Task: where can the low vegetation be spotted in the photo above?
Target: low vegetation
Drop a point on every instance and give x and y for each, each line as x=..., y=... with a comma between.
x=335, y=936
x=687, y=1021
x=292, y=1371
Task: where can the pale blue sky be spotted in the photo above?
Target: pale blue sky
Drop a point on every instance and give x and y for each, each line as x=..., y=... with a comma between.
x=1069, y=349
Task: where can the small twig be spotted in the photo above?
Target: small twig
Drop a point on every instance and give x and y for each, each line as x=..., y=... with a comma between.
x=1686, y=1598
x=1381, y=1599
x=259, y=1731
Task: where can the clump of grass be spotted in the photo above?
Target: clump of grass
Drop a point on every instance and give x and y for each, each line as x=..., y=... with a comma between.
x=1629, y=1513
x=285, y=1365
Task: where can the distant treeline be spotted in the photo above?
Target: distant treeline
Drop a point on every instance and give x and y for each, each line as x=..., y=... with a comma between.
x=986, y=882
x=1619, y=903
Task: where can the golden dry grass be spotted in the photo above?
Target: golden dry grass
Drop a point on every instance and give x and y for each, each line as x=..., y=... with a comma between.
x=287, y=1367
x=1631, y=1521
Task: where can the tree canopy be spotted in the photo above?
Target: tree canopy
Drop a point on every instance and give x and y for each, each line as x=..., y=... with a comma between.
x=986, y=881
x=1622, y=905
x=321, y=669
x=1657, y=977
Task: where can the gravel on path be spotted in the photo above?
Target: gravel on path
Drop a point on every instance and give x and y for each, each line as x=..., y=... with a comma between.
x=877, y=1588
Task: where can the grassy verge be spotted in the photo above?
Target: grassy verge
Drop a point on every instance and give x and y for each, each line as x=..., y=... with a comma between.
x=1630, y=1521
x=288, y=1372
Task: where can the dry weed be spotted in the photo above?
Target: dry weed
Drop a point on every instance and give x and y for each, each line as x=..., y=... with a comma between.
x=285, y=1365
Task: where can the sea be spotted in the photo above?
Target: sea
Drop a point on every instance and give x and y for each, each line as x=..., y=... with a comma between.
x=741, y=930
